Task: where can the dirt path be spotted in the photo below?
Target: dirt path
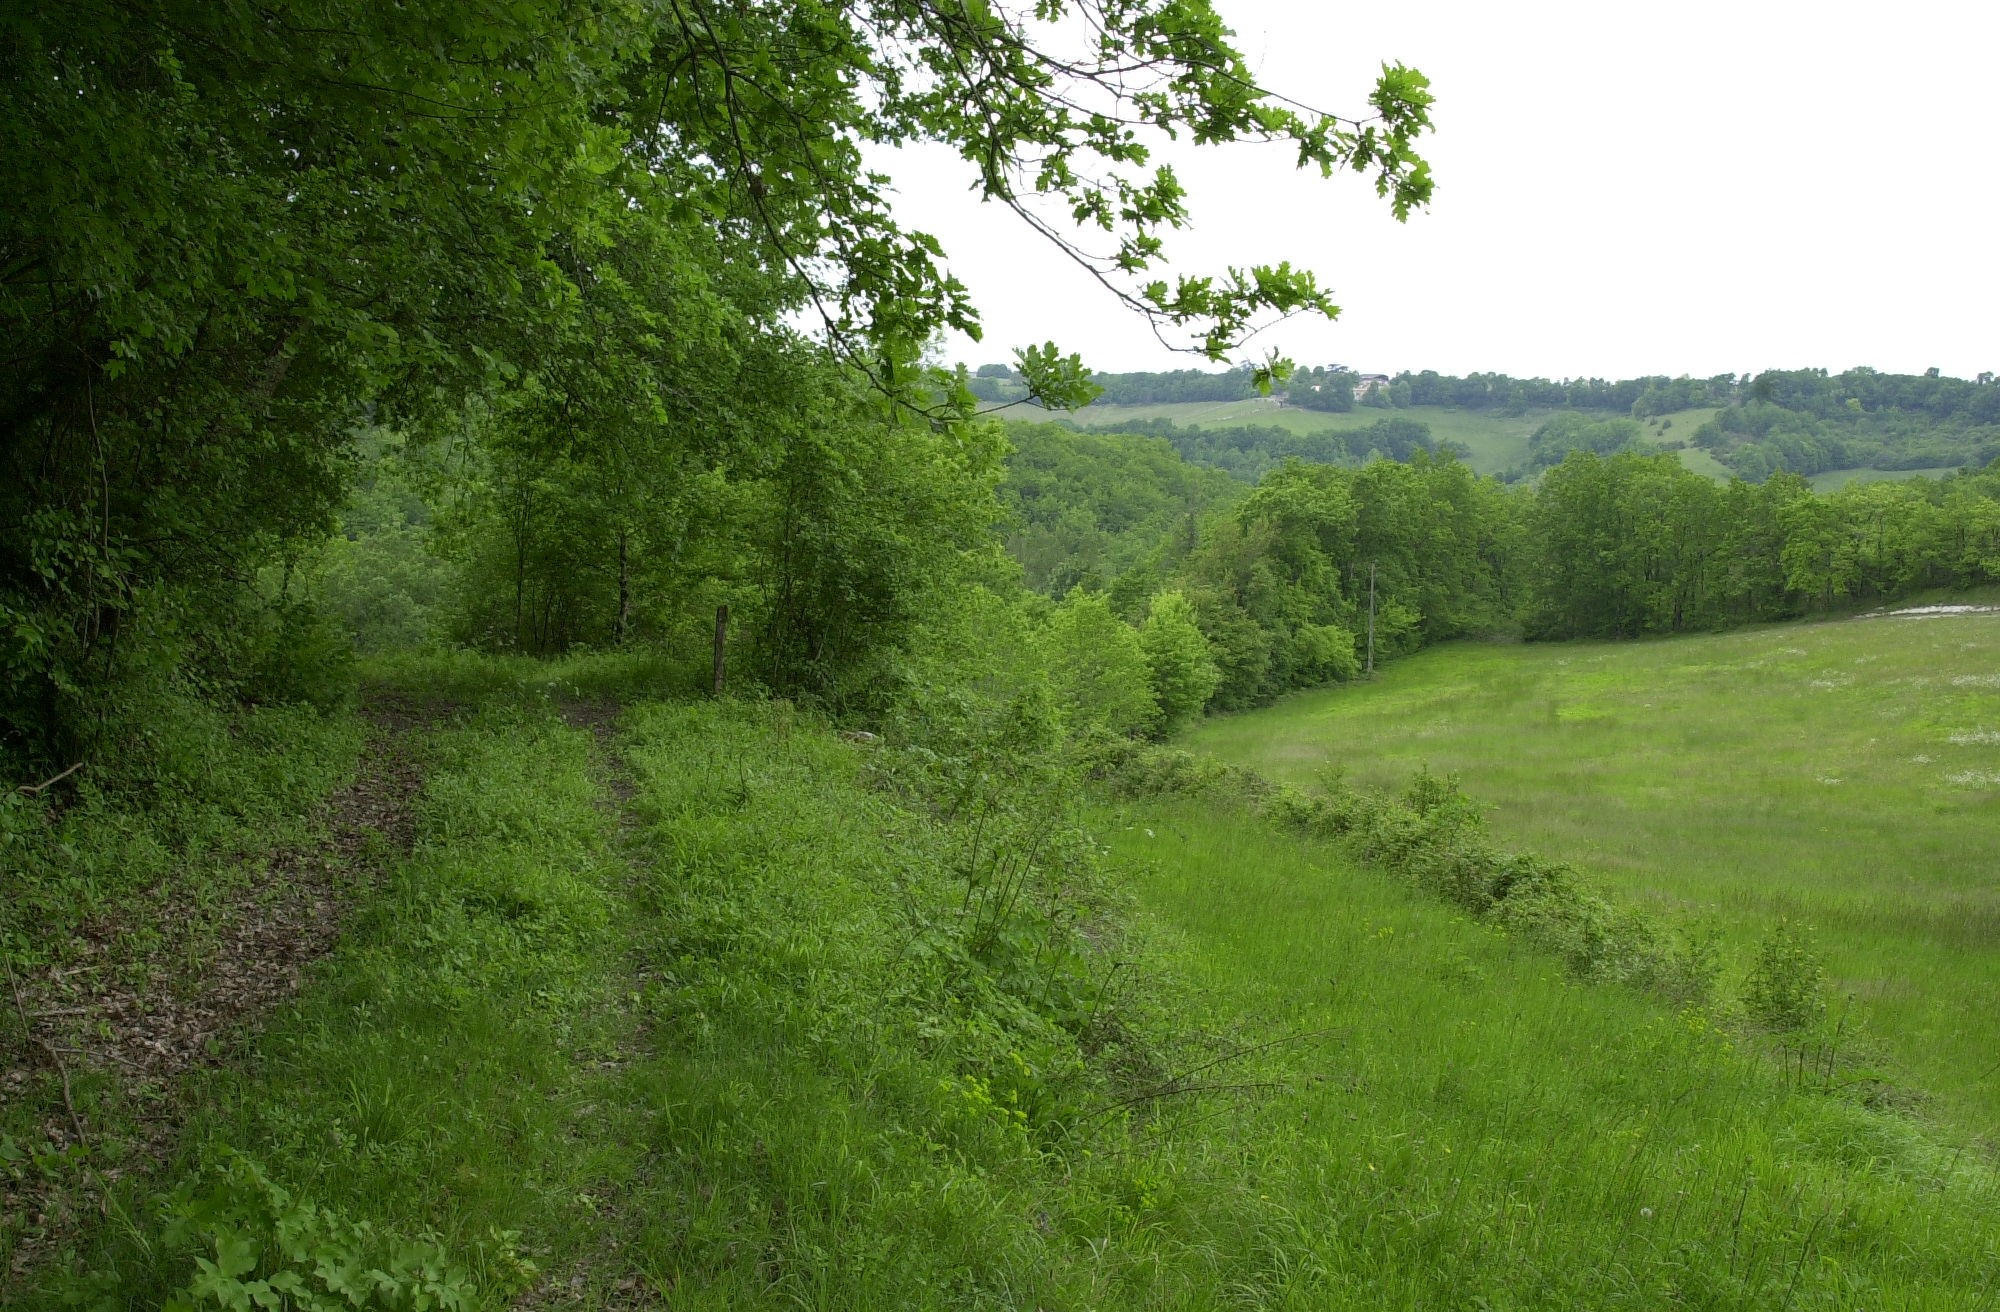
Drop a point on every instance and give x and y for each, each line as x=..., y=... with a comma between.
x=204, y=983
x=601, y=1278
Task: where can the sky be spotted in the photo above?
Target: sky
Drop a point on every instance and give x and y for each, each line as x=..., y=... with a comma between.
x=1622, y=189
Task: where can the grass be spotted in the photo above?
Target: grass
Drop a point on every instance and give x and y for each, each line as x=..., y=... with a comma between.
x=430, y=1083
x=1835, y=479
x=1844, y=773
x=1703, y=462
x=1497, y=442
x=1463, y=1128
x=713, y=1007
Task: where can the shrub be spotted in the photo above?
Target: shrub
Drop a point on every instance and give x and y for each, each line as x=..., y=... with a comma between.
x=1786, y=988
x=1098, y=667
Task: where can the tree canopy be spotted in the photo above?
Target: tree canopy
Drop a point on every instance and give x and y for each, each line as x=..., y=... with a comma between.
x=577, y=240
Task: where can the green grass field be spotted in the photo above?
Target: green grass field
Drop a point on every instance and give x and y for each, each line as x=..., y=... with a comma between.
x=1458, y=1125
x=1844, y=773
x=1701, y=462
x=1497, y=442
x=1835, y=479
x=701, y=1004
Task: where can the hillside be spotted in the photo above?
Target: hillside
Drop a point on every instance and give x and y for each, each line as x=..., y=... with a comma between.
x=553, y=757
x=1845, y=774
x=707, y=1003
x=1495, y=443
x=1860, y=423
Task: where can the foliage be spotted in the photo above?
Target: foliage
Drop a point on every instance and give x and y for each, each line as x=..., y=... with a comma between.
x=236, y=240
x=210, y=792
x=1250, y=451
x=1098, y=667
x=1088, y=509
x=1572, y=431
x=1807, y=421
x=272, y=1250
x=1786, y=987
x=1178, y=663
x=1638, y=544
x=1284, y=590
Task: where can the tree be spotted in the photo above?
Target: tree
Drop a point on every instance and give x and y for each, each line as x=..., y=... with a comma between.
x=1097, y=666
x=1182, y=671
x=236, y=235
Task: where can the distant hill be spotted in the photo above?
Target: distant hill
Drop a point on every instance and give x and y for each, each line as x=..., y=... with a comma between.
x=1857, y=425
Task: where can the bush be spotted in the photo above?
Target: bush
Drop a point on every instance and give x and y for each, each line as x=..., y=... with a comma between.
x=1786, y=989
x=1098, y=667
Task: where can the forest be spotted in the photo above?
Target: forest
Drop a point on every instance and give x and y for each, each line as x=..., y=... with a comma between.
x=1778, y=421
x=1623, y=545
x=555, y=756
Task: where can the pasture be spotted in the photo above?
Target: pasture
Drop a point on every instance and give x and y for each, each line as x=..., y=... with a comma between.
x=1835, y=479
x=1846, y=774
x=1498, y=442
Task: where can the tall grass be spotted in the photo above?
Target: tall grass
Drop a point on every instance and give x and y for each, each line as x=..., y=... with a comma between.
x=1845, y=775
x=1465, y=1127
x=738, y=1013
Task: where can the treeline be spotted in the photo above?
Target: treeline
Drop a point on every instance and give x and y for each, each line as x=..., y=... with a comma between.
x=1808, y=421
x=1338, y=388
x=1619, y=545
x=1651, y=395
x=1334, y=387
x=1247, y=452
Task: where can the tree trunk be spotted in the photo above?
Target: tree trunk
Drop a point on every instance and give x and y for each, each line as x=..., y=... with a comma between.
x=721, y=643
x=623, y=629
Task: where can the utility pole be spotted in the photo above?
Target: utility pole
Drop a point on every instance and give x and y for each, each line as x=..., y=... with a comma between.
x=1371, y=617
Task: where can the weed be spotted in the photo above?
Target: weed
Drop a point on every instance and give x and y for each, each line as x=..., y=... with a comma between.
x=1786, y=988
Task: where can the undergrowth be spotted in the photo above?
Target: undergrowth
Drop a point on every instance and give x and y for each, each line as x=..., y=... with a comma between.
x=216, y=789
x=97, y=874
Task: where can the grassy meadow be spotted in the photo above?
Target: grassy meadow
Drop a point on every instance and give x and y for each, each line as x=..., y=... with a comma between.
x=1497, y=442
x=1835, y=479
x=1701, y=462
x=1845, y=773
x=704, y=1005
x=1457, y=1124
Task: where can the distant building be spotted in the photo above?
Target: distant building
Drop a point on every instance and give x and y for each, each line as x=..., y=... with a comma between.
x=1363, y=383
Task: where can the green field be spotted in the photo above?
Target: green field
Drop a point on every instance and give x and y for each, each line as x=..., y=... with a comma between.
x=1844, y=773
x=1701, y=462
x=1835, y=479
x=1497, y=442
x=700, y=1004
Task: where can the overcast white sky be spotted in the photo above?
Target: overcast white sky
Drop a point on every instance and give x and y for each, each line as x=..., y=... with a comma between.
x=1623, y=189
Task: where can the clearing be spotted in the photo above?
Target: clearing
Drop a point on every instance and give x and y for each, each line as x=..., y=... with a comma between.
x=1844, y=773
